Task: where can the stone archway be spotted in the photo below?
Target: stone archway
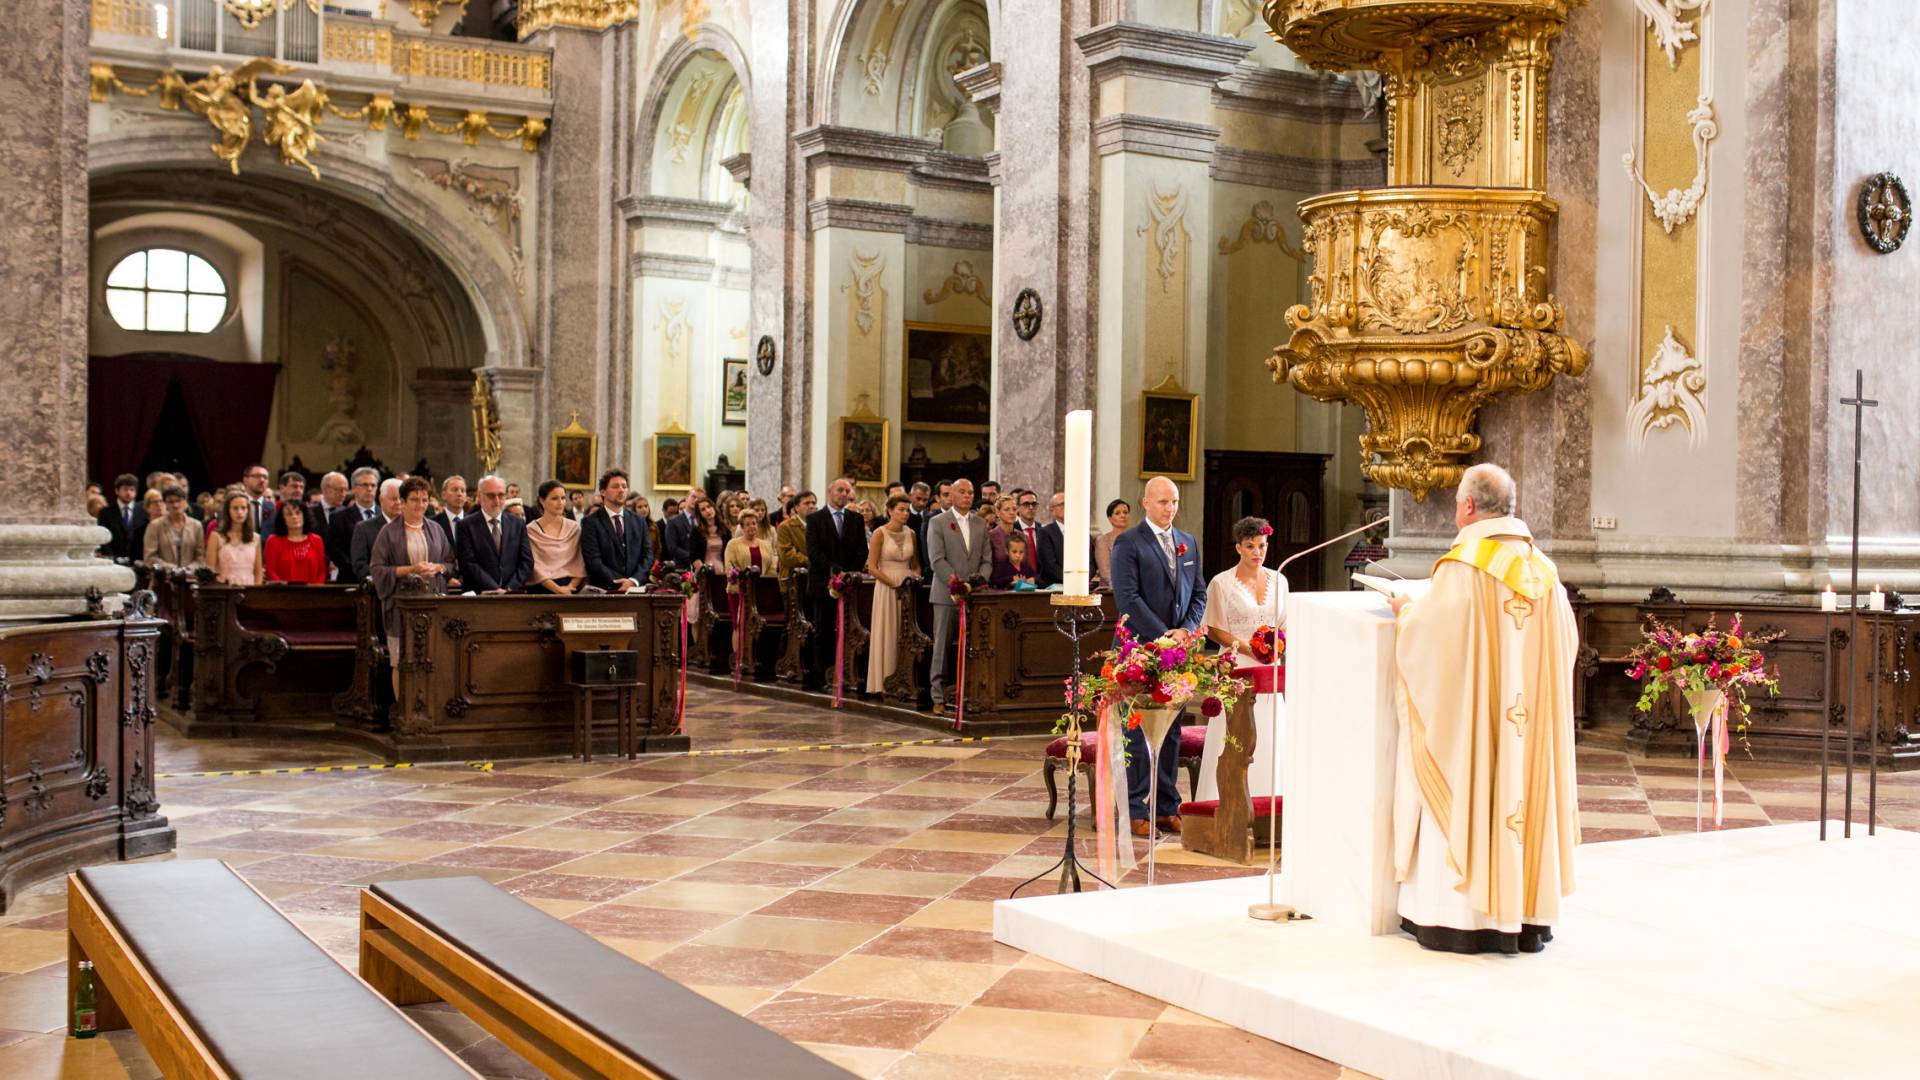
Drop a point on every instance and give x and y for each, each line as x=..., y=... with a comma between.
x=483, y=271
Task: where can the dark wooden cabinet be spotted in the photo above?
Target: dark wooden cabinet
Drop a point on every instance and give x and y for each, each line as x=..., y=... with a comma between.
x=76, y=748
x=1285, y=488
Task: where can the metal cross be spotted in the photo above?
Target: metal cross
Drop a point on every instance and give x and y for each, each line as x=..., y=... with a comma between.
x=1858, y=402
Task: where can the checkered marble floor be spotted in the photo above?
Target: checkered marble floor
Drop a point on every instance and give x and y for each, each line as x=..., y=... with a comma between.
x=841, y=897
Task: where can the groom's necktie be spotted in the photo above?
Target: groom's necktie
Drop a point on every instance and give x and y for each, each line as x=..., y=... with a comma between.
x=1166, y=545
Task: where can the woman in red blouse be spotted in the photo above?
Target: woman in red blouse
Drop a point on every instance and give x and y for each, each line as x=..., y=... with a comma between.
x=299, y=555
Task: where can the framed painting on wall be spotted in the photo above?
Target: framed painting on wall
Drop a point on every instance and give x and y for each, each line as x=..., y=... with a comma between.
x=863, y=449
x=673, y=457
x=733, y=392
x=1169, y=425
x=574, y=451
x=948, y=378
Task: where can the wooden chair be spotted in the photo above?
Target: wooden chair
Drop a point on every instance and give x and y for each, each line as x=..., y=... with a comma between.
x=305, y=636
x=220, y=985
x=1225, y=827
x=572, y=1006
x=711, y=646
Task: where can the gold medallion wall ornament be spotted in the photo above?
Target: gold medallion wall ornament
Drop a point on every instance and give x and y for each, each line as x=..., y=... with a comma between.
x=1429, y=301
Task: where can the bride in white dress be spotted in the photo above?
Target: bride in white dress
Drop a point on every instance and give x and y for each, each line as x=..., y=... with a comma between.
x=1240, y=600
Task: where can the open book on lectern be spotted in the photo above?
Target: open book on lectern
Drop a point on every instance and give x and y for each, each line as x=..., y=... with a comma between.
x=1411, y=588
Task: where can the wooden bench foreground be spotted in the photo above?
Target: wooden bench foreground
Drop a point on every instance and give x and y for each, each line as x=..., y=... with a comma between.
x=567, y=1003
x=220, y=985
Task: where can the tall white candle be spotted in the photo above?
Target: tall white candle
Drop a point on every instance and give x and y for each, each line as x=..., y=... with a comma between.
x=1079, y=490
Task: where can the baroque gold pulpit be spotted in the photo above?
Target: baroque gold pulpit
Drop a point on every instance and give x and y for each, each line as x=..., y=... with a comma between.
x=1432, y=297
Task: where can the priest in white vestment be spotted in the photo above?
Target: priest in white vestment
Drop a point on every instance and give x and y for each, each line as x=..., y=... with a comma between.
x=1485, y=808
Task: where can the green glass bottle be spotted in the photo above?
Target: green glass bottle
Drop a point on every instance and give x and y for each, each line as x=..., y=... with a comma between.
x=86, y=1020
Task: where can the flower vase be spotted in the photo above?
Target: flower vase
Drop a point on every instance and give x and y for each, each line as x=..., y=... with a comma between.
x=1707, y=709
x=1154, y=725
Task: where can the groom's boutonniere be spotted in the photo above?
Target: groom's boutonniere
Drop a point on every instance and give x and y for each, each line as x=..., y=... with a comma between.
x=954, y=525
x=1179, y=551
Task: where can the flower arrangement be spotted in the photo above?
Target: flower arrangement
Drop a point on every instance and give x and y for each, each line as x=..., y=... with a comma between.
x=958, y=587
x=1726, y=661
x=838, y=583
x=665, y=578
x=1160, y=674
x=1269, y=645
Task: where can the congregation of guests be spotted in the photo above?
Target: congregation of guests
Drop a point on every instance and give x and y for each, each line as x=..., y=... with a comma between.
x=491, y=539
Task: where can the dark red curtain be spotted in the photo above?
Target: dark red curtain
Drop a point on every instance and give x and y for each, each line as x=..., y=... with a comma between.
x=228, y=404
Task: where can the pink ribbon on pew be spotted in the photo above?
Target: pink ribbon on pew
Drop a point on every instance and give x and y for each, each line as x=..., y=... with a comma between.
x=839, y=646
x=960, y=676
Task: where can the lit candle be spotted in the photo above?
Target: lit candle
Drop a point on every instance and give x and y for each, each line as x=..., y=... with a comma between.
x=1878, y=601
x=1079, y=502
x=1828, y=601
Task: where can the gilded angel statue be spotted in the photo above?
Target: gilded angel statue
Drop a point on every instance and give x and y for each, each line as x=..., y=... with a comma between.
x=217, y=97
x=293, y=121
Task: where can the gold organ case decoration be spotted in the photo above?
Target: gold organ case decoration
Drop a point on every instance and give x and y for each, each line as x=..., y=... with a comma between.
x=1432, y=297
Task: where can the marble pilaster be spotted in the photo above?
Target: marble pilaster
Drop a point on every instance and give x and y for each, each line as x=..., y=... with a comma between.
x=519, y=394
x=443, y=421
x=1155, y=221
x=46, y=540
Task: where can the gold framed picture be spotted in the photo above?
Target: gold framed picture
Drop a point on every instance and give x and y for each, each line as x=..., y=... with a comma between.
x=947, y=381
x=863, y=449
x=733, y=392
x=575, y=453
x=1169, y=432
x=673, y=458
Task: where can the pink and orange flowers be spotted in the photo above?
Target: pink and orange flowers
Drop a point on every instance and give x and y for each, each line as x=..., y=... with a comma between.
x=1709, y=659
x=1269, y=645
x=1160, y=674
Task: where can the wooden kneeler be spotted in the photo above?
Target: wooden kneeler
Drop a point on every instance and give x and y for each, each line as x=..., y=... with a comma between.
x=1228, y=833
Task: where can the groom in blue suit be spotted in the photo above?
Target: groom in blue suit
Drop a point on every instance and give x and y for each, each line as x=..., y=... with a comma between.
x=1157, y=587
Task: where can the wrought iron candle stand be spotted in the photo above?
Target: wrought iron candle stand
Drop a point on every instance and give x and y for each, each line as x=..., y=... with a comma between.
x=1858, y=403
x=1076, y=617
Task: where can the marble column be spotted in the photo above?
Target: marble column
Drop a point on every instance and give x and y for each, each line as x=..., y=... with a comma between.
x=582, y=333
x=46, y=541
x=1043, y=225
x=777, y=403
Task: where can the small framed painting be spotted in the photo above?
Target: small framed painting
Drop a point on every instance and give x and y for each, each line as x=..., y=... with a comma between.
x=673, y=460
x=863, y=449
x=574, y=451
x=733, y=392
x=1169, y=421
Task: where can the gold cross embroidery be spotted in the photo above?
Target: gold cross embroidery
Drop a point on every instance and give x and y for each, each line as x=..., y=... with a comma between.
x=1520, y=608
x=1517, y=715
x=1517, y=820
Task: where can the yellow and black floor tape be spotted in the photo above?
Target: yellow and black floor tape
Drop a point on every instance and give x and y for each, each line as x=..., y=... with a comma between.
x=487, y=766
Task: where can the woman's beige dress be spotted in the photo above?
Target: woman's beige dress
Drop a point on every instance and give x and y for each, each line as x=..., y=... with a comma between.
x=883, y=624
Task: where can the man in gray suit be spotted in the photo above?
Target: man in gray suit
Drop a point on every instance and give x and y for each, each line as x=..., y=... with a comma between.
x=957, y=546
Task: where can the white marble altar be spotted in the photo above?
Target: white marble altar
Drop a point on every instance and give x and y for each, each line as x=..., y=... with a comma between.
x=1336, y=829
x=1745, y=953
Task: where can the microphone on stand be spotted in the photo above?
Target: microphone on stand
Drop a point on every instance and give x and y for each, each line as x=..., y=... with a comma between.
x=1374, y=524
